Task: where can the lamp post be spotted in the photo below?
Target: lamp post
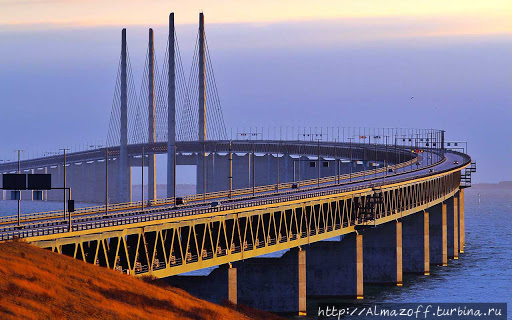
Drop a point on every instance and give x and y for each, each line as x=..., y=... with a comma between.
x=230, y=177
x=142, y=179
x=174, y=176
x=64, y=170
x=278, y=180
x=318, y=163
x=204, y=171
x=253, y=171
x=350, y=155
x=106, y=181
x=397, y=160
x=386, y=158
x=19, y=191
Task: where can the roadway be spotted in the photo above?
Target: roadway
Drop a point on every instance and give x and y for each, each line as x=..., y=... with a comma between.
x=267, y=195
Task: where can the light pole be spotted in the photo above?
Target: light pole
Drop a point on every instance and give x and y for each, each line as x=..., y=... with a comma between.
x=142, y=179
x=230, y=177
x=106, y=180
x=253, y=171
x=337, y=163
x=318, y=163
x=19, y=191
x=64, y=170
x=278, y=181
x=397, y=160
x=174, y=176
x=350, y=155
x=204, y=171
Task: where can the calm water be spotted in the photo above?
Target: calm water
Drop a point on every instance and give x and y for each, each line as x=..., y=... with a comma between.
x=482, y=274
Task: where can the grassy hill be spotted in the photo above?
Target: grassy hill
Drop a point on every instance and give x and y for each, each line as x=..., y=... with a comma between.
x=39, y=284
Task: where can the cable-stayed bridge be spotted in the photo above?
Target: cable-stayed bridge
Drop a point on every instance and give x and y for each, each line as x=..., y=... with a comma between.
x=394, y=197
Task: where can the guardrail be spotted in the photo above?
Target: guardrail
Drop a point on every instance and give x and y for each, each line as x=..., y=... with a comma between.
x=200, y=197
x=158, y=214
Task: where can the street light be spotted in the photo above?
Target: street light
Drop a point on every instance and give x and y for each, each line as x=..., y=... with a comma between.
x=318, y=163
x=230, y=177
x=350, y=165
x=204, y=171
x=386, y=159
x=253, y=171
x=19, y=191
x=142, y=179
x=278, y=180
x=64, y=167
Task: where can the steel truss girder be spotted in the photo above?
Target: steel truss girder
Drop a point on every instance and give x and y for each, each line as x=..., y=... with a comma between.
x=178, y=245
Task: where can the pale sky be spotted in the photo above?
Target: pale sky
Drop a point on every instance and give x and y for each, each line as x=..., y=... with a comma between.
x=277, y=63
x=468, y=16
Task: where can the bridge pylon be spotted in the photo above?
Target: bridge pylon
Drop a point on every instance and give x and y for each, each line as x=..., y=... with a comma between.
x=124, y=174
x=171, y=113
x=151, y=117
x=201, y=170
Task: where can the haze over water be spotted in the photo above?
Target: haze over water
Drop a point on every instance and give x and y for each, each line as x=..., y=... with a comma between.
x=482, y=273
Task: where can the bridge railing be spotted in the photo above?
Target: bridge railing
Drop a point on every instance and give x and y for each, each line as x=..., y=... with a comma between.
x=161, y=213
x=200, y=197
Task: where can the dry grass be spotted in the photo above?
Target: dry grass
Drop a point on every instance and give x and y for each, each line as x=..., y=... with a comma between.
x=39, y=284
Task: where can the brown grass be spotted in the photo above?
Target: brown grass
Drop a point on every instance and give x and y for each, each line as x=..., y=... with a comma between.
x=39, y=284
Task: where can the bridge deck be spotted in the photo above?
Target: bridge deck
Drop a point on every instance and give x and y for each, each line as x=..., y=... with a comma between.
x=177, y=240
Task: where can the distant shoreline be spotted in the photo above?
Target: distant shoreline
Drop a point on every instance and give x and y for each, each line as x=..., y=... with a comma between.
x=500, y=185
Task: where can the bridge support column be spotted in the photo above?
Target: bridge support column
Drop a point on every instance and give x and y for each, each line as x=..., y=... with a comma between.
x=232, y=285
x=416, y=243
x=452, y=227
x=274, y=284
x=438, y=235
x=462, y=222
x=382, y=254
x=215, y=287
x=335, y=268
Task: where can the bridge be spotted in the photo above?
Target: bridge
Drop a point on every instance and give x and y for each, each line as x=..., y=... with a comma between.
x=387, y=200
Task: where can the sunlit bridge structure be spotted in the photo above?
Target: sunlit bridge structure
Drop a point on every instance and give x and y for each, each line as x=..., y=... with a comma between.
x=389, y=200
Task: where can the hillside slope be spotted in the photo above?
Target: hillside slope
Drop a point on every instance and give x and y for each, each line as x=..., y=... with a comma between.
x=39, y=284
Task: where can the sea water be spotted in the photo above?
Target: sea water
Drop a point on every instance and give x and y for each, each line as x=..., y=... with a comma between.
x=483, y=273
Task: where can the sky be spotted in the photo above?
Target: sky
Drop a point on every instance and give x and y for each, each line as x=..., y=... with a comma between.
x=277, y=63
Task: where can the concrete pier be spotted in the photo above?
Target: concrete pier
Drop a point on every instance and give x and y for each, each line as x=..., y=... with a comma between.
x=462, y=222
x=416, y=243
x=438, y=235
x=382, y=254
x=282, y=280
x=335, y=268
x=214, y=287
x=232, y=285
x=452, y=227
